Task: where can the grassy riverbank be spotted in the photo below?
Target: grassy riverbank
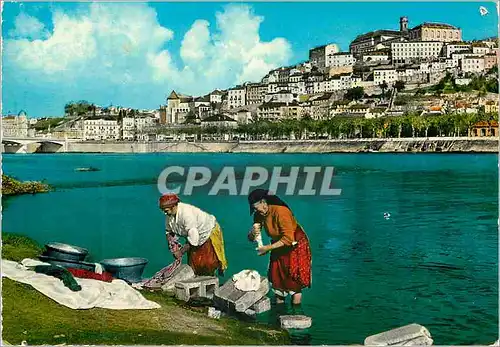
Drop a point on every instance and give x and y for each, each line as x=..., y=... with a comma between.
x=11, y=186
x=29, y=315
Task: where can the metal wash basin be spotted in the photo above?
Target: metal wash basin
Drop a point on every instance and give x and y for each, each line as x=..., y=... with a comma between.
x=62, y=251
x=127, y=269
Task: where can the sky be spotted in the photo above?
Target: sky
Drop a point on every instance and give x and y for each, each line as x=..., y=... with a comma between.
x=133, y=54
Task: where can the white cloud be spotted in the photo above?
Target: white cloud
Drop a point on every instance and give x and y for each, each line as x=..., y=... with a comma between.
x=26, y=26
x=233, y=53
x=116, y=45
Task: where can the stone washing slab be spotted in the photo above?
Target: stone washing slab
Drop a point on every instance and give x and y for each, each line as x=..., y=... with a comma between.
x=398, y=336
x=261, y=306
x=295, y=322
x=229, y=298
x=182, y=273
x=200, y=286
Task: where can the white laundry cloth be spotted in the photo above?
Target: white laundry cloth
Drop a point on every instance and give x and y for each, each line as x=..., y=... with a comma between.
x=98, y=268
x=247, y=280
x=32, y=262
x=117, y=295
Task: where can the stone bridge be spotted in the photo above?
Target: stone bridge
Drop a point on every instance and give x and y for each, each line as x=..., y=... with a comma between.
x=34, y=145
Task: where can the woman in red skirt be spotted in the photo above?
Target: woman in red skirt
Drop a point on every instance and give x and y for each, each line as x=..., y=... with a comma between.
x=290, y=265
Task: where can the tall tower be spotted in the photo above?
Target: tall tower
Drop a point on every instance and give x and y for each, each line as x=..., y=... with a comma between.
x=403, y=24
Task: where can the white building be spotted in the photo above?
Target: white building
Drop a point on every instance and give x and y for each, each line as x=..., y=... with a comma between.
x=376, y=56
x=128, y=128
x=15, y=126
x=472, y=64
x=457, y=47
x=277, y=87
x=297, y=77
x=480, y=50
x=457, y=58
x=283, y=96
x=318, y=56
x=178, y=106
x=236, y=97
x=271, y=111
x=409, y=51
x=297, y=87
x=340, y=59
x=389, y=75
x=271, y=77
x=101, y=129
x=216, y=96
x=451, y=63
x=255, y=93
x=144, y=122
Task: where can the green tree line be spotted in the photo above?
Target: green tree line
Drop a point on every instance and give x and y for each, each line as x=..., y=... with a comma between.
x=408, y=125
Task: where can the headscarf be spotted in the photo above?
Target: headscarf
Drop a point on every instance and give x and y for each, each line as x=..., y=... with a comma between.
x=259, y=194
x=168, y=200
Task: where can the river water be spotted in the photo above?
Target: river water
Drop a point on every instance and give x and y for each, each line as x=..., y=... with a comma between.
x=433, y=262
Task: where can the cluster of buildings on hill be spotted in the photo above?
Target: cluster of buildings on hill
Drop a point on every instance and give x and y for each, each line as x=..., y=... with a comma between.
x=418, y=56
x=415, y=56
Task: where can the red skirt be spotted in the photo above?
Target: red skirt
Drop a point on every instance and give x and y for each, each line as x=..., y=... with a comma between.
x=290, y=266
x=203, y=259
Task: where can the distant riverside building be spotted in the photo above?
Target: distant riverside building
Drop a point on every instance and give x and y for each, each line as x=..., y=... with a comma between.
x=236, y=97
x=15, y=125
x=484, y=129
x=178, y=106
x=101, y=129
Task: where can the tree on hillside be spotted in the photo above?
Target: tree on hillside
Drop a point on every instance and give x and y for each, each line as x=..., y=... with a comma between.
x=384, y=86
x=399, y=85
x=78, y=108
x=355, y=93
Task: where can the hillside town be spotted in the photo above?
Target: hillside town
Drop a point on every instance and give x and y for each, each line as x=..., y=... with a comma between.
x=414, y=73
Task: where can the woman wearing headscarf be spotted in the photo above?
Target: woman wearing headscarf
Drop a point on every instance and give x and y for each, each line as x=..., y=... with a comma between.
x=290, y=265
x=204, y=241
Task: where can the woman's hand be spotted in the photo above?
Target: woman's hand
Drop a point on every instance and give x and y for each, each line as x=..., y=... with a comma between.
x=178, y=254
x=263, y=250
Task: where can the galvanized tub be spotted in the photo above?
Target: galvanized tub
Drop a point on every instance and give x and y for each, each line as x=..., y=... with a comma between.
x=62, y=251
x=127, y=269
x=68, y=264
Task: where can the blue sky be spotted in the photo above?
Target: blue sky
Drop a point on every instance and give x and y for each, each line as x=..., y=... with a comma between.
x=134, y=54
